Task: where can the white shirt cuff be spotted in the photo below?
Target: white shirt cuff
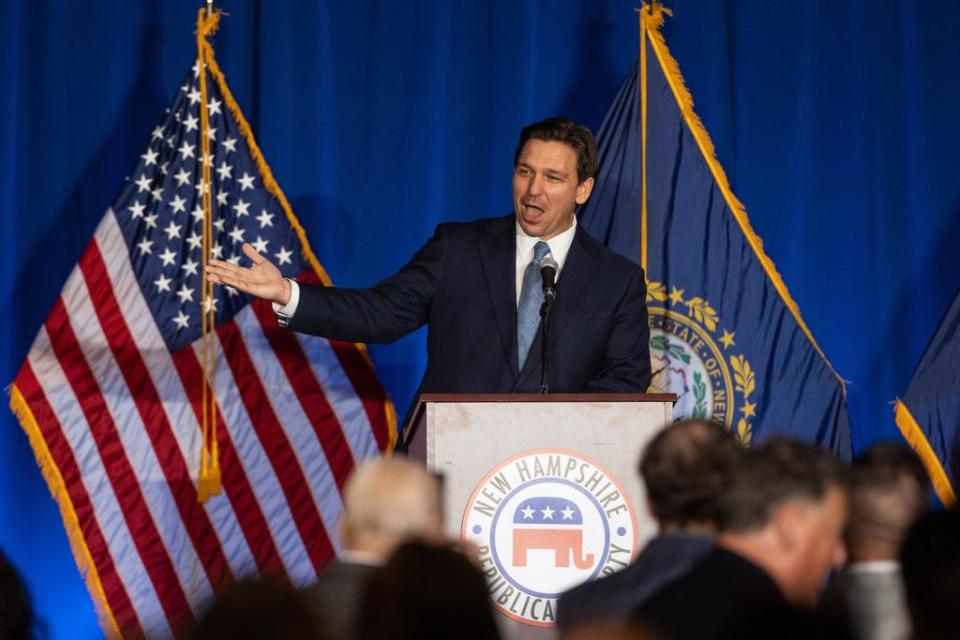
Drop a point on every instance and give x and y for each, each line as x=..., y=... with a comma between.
x=290, y=308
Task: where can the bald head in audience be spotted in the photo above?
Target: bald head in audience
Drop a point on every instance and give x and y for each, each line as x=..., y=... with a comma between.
x=388, y=501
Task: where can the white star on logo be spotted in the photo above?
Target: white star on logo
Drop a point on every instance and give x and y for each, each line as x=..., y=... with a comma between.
x=284, y=257
x=567, y=513
x=185, y=293
x=168, y=257
x=547, y=513
x=186, y=150
x=190, y=123
x=237, y=234
x=182, y=177
x=260, y=245
x=178, y=204
x=224, y=171
x=143, y=183
x=241, y=208
x=182, y=320
x=266, y=219
x=173, y=230
x=230, y=144
x=163, y=283
x=150, y=157
x=136, y=209
x=527, y=513
x=246, y=181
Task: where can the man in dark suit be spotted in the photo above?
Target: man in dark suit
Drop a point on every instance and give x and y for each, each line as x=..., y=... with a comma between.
x=685, y=469
x=479, y=287
x=780, y=533
x=386, y=501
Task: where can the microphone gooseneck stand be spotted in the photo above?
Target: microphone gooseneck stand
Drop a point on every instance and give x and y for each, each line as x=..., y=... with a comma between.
x=545, y=309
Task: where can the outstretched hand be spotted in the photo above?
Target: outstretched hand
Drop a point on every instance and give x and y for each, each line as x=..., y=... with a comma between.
x=263, y=279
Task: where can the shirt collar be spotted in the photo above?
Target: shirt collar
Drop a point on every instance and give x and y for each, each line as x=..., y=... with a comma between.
x=559, y=244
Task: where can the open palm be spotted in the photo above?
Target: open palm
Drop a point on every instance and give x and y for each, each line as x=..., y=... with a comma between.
x=263, y=279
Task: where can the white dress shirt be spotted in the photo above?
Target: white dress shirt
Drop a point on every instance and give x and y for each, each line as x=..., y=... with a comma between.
x=559, y=248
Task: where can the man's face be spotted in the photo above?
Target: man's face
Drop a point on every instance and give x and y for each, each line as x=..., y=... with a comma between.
x=545, y=189
x=818, y=546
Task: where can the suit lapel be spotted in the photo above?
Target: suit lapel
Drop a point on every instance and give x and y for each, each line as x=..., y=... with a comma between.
x=498, y=255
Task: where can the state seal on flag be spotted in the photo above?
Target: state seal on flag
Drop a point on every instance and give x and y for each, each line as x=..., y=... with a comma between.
x=545, y=521
x=691, y=356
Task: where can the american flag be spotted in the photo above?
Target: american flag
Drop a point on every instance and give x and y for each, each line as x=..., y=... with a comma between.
x=110, y=392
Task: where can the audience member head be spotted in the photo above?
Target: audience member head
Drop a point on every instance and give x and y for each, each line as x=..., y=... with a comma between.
x=785, y=511
x=930, y=560
x=17, y=621
x=426, y=592
x=686, y=468
x=387, y=501
x=258, y=611
x=888, y=492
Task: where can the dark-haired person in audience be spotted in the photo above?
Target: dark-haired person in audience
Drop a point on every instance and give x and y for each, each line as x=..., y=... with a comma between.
x=780, y=533
x=426, y=592
x=17, y=620
x=930, y=561
x=259, y=611
x=888, y=492
x=685, y=468
x=387, y=501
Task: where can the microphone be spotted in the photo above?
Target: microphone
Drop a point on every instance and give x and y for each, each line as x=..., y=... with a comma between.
x=548, y=271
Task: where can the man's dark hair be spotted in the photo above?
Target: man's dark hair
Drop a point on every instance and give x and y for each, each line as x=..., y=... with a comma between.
x=779, y=471
x=930, y=561
x=428, y=592
x=686, y=468
x=575, y=136
x=888, y=491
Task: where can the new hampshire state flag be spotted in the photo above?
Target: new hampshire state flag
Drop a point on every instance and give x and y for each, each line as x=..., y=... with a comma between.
x=928, y=415
x=726, y=336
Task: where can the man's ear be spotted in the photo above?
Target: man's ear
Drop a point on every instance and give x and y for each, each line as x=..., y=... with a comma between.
x=584, y=189
x=788, y=525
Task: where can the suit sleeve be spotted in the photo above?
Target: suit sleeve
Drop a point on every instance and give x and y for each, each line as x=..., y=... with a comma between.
x=626, y=366
x=383, y=313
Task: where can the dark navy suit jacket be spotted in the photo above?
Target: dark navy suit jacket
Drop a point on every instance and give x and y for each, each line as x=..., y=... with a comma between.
x=615, y=597
x=463, y=283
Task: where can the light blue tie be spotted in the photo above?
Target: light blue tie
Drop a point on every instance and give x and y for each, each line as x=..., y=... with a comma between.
x=531, y=298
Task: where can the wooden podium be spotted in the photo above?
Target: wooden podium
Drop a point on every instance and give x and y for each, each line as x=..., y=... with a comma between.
x=545, y=486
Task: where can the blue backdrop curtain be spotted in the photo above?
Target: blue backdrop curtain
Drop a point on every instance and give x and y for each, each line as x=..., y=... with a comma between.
x=836, y=123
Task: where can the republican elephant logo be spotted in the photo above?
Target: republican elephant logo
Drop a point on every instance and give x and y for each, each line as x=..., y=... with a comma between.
x=553, y=524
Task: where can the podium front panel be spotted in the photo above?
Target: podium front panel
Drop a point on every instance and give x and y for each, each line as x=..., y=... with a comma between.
x=548, y=492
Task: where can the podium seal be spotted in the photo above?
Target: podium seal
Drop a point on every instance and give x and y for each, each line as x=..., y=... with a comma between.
x=545, y=521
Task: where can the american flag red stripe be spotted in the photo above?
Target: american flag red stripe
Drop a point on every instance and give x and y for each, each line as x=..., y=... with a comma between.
x=296, y=366
x=277, y=446
x=118, y=468
x=149, y=405
x=236, y=485
x=112, y=386
x=63, y=458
